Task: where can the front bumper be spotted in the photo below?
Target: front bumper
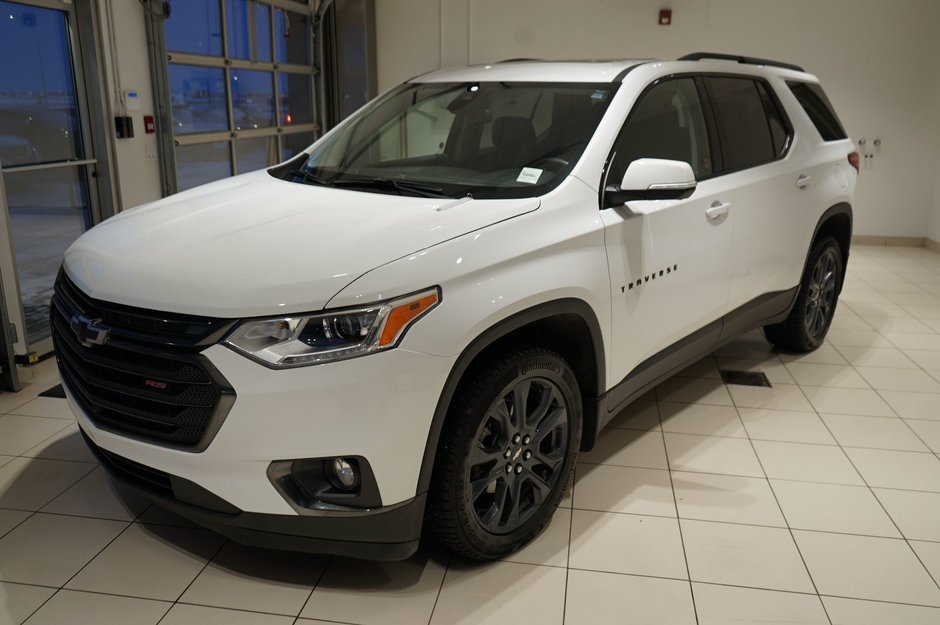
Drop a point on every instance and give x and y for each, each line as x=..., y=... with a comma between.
x=387, y=533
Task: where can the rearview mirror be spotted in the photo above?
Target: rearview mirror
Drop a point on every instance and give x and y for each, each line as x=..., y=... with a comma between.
x=652, y=179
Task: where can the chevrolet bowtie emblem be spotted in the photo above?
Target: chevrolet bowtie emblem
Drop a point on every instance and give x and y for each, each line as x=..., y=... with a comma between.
x=88, y=331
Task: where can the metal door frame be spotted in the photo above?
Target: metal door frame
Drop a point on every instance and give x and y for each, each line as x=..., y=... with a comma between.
x=83, y=32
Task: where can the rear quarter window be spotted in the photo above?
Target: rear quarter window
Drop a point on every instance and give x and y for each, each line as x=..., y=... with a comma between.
x=817, y=106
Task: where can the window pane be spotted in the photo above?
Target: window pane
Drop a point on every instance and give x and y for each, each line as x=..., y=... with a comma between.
x=252, y=99
x=776, y=119
x=195, y=26
x=198, y=98
x=38, y=112
x=667, y=123
x=253, y=154
x=291, y=37
x=263, y=33
x=820, y=111
x=296, y=99
x=742, y=123
x=295, y=144
x=244, y=16
x=48, y=211
x=202, y=163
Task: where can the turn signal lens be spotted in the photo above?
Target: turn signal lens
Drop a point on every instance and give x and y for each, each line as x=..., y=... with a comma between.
x=402, y=316
x=854, y=160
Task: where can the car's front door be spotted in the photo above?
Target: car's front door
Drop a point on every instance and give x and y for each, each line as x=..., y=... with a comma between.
x=669, y=259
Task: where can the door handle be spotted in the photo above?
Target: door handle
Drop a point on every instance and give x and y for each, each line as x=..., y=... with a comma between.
x=803, y=181
x=717, y=210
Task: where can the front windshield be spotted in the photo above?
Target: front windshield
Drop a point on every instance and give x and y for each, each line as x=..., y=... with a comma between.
x=486, y=140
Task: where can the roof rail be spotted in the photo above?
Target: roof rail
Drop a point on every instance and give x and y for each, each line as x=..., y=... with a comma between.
x=748, y=60
x=519, y=60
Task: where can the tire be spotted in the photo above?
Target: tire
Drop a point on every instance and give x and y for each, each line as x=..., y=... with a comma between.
x=806, y=327
x=497, y=481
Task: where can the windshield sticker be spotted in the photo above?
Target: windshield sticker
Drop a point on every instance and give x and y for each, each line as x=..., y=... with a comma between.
x=599, y=95
x=529, y=175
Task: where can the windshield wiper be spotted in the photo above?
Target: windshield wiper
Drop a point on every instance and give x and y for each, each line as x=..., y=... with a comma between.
x=307, y=176
x=395, y=184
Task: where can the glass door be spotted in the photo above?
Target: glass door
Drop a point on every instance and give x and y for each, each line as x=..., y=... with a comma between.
x=45, y=161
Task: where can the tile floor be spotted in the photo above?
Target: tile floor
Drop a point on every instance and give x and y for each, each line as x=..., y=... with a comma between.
x=815, y=501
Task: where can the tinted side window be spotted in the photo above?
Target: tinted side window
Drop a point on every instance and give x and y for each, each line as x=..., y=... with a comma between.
x=817, y=106
x=666, y=123
x=742, y=123
x=779, y=128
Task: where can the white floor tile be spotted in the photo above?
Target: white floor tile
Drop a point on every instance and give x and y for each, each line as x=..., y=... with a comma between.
x=924, y=359
x=876, y=432
x=149, y=561
x=808, y=463
x=262, y=580
x=833, y=508
x=49, y=549
x=897, y=469
x=780, y=397
x=501, y=593
x=727, y=605
x=863, y=567
x=712, y=454
x=914, y=405
x=183, y=614
x=906, y=340
x=19, y=434
x=853, y=401
x=551, y=546
x=785, y=426
x=622, y=489
x=694, y=391
x=929, y=554
x=744, y=555
x=96, y=495
x=825, y=354
x=626, y=543
x=701, y=419
x=928, y=431
x=45, y=407
x=385, y=593
x=726, y=498
x=883, y=379
x=607, y=599
x=640, y=415
x=82, y=608
x=10, y=519
x=917, y=514
x=808, y=374
x=31, y=483
x=67, y=444
x=877, y=357
x=18, y=601
x=627, y=448
x=855, y=612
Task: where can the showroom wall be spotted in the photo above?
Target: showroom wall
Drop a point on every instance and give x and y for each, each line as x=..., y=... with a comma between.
x=878, y=59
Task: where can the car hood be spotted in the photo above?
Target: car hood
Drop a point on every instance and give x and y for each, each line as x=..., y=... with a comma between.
x=257, y=245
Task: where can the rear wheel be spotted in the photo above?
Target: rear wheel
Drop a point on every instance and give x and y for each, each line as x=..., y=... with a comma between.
x=506, y=455
x=806, y=327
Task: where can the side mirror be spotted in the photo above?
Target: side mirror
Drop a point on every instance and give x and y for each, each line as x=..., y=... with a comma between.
x=652, y=179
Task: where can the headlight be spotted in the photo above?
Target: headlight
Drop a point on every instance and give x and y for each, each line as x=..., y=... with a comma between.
x=309, y=340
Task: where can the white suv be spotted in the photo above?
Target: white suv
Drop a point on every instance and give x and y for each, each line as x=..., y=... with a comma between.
x=419, y=322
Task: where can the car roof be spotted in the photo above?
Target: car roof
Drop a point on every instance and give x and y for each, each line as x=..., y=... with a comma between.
x=598, y=71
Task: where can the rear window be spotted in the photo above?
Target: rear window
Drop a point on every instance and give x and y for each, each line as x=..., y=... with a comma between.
x=814, y=101
x=746, y=138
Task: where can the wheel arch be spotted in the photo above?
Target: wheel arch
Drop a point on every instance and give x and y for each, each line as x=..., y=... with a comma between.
x=837, y=223
x=575, y=334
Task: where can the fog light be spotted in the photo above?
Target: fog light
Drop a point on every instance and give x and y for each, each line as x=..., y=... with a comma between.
x=343, y=473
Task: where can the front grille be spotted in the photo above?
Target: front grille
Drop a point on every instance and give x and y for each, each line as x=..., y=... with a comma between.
x=147, y=380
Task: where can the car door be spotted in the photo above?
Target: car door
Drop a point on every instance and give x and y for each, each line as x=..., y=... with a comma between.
x=771, y=194
x=669, y=260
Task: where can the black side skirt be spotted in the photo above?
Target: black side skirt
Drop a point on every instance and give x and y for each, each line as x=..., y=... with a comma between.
x=766, y=309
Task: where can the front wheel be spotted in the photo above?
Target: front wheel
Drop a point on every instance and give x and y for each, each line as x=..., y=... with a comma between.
x=806, y=327
x=506, y=454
